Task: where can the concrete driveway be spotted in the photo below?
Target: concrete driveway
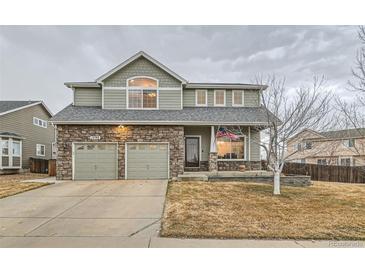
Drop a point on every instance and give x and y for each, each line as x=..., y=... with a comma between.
x=83, y=214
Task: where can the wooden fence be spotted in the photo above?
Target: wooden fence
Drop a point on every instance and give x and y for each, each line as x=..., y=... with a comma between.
x=344, y=174
x=43, y=166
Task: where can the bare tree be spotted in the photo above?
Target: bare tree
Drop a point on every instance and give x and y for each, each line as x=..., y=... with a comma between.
x=358, y=83
x=295, y=110
x=353, y=113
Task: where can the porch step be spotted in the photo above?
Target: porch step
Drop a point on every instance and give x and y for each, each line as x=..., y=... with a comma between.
x=192, y=177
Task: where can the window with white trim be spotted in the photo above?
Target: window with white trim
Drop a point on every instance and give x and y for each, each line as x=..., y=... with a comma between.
x=322, y=162
x=201, y=98
x=5, y=147
x=39, y=122
x=40, y=150
x=231, y=149
x=345, y=161
x=237, y=98
x=220, y=97
x=349, y=143
x=142, y=93
x=16, y=148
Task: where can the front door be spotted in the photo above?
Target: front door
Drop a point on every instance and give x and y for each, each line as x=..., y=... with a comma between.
x=192, y=151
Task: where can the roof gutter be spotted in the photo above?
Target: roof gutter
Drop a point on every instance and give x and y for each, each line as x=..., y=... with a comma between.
x=158, y=123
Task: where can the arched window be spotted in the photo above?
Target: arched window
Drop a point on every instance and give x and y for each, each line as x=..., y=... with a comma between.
x=142, y=93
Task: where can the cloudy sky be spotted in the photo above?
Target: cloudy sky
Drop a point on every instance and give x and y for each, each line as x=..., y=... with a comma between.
x=35, y=61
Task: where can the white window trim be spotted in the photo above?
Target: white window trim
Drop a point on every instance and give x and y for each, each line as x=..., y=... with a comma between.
x=346, y=157
x=206, y=98
x=241, y=159
x=243, y=98
x=36, y=150
x=141, y=88
x=20, y=146
x=36, y=122
x=224, y=98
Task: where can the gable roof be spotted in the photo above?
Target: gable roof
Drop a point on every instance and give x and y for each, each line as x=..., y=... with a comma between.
x=11, y=106
x=135, y=57
x=186, y=116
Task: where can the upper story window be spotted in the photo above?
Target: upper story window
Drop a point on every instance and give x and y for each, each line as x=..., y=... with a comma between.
x=201, y=98
x=349, y=143
x=297, y=147
x=220, y=98
x=237, y=98
x=39, y=122
x=142, y=93
x=308, y=145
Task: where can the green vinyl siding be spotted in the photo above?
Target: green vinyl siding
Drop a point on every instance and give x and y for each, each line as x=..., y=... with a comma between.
x=114, y=99
x=87, y=97
x=189, y=97
x=21, y=122
x=170, y=99
x=147, y=161
x=141, y=67
x=255, y=145
x=252, y=98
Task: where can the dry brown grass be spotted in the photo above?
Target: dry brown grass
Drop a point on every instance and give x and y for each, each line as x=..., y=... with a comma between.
x=249, y=210
x=11, y=184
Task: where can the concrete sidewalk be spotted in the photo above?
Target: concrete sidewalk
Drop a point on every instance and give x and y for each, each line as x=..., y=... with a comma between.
x=146, y=241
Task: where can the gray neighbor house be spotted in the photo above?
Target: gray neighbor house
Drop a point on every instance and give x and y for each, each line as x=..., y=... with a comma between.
x=141, y=120
x=24, y=133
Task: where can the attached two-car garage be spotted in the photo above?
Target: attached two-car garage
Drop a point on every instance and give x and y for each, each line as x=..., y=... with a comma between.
x=97, y=160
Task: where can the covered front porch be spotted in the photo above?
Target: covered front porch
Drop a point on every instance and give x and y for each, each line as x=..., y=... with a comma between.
x=205, y=150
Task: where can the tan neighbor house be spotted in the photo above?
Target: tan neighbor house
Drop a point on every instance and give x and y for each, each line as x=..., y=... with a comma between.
x=24, y=132
x=340, y=147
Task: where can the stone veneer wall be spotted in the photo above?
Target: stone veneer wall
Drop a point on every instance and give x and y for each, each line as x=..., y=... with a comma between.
x=66, y=134
x=203, y=166
x=234, y=165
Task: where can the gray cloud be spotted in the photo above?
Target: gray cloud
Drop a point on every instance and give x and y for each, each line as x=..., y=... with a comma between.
x=35, y=61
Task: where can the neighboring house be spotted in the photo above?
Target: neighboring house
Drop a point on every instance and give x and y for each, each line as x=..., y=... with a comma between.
x=24, y=133
x=340, y=147
x=141, y=120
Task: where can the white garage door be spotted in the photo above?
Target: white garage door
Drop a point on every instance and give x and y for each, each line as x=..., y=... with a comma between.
x=94, y=161
x=147, y=161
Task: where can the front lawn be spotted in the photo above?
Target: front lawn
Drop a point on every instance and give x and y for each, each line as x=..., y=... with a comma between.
x=11, y=184
x=249, y=210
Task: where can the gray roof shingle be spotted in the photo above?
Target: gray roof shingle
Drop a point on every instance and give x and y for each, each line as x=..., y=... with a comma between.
x=346, y=133
x=10, y=105
x=189, y=115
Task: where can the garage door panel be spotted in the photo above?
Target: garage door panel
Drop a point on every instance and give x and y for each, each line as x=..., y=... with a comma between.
x=95, y=161
x=147, y=161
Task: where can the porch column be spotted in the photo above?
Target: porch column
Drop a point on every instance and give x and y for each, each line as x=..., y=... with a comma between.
x=213, y=163
x=213, y=146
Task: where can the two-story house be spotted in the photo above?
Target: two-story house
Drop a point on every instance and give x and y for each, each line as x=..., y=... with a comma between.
x=141, y=120
x=24, y=133
x=340, y=147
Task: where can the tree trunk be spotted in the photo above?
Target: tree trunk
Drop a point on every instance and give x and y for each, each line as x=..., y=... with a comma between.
x=276, y=183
